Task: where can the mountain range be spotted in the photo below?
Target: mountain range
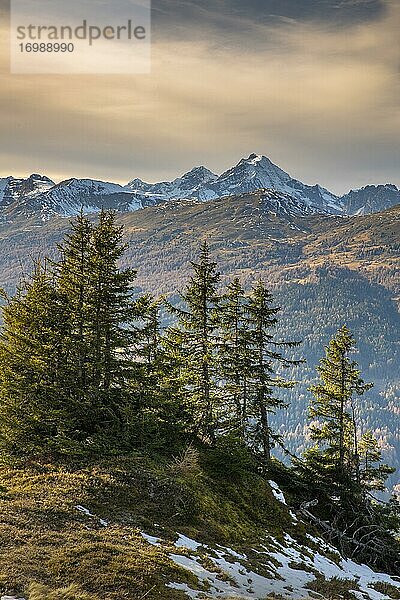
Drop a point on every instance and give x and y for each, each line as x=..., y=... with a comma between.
x=39, y=195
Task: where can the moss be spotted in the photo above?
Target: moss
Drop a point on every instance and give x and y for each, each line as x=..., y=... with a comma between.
x=43, y=592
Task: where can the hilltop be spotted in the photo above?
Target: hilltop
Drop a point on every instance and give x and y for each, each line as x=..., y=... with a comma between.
x=141, y=527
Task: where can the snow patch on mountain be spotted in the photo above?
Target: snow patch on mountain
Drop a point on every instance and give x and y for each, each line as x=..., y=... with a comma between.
x=279, y=203
x=370, y=199
x=38, y=195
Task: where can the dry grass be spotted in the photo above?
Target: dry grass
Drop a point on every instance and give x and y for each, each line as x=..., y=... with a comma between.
x=388, y=590
x=335, y=588
x=51, y=550
x=46, y=541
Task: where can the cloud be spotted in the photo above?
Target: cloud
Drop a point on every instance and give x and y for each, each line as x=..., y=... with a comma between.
x=321, y=101
x=225, y=15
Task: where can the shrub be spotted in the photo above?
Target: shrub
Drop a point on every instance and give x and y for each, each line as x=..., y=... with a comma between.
x=335, y=588
x=229, y=458
x=186, y=463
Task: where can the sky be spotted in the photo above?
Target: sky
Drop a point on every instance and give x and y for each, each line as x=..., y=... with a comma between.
x=313, y=84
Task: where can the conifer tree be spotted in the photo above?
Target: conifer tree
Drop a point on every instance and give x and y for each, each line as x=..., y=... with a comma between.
x=68, y=345
x=194, y=342
x=335, y=458
x=234, y=359
x=265, y=359
x=100, y=308
x=34, y=386
x=111, y=311
x=72, y=272
x=162, y=418
x=373, y=473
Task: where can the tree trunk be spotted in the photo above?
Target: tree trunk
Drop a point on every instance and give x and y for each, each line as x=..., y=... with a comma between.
x=265, y=434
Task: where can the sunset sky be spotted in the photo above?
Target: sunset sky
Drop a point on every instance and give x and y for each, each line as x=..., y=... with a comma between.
x=312, y=84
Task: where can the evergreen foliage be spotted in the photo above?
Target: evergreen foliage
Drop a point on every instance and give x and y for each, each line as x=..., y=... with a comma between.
x=265, y=359
x=33, y=346
x=373, y=473
x=234, y=356
x=333, y=430
x=87, y=367
x=67, y=342
x=341, y=458
x=194, y=342
x=344, y=467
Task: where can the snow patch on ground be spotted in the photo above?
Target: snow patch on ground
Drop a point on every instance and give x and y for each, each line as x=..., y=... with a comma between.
x=287, y=568
x=185, y=542
x=84, y=510
x=87, y=513
x=277, y=492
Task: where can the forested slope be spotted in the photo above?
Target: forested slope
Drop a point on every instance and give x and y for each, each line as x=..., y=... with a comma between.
x=325, y=271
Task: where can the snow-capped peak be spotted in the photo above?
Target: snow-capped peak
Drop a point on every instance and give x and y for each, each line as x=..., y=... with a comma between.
x=195, y=183
x=70, y=196
x=254, y=173
x=12, y=189
x=89, y=187
x=198, y=174
x=255, y=158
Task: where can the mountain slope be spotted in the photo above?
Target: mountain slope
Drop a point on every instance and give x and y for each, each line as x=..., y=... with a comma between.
x=255, y=172
x=143, y=527
x=41, y=196
x=370, y=199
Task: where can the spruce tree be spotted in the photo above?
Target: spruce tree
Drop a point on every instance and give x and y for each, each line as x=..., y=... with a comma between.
x=265, y=360
x=34, y=390
x=162, y=418
x=193, y=343
x=68, y=347
x=335, y=457
x=373, y=473
x=234, y=358
x=72, y=272
x=111, y=311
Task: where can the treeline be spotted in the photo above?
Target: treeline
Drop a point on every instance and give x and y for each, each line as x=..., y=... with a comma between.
x=86, y=367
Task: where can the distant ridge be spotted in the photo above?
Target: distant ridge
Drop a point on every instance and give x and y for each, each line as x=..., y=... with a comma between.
x=40, y=196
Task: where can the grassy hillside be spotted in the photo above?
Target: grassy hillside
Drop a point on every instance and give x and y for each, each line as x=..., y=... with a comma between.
x=82, y=526
x=140, y=527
